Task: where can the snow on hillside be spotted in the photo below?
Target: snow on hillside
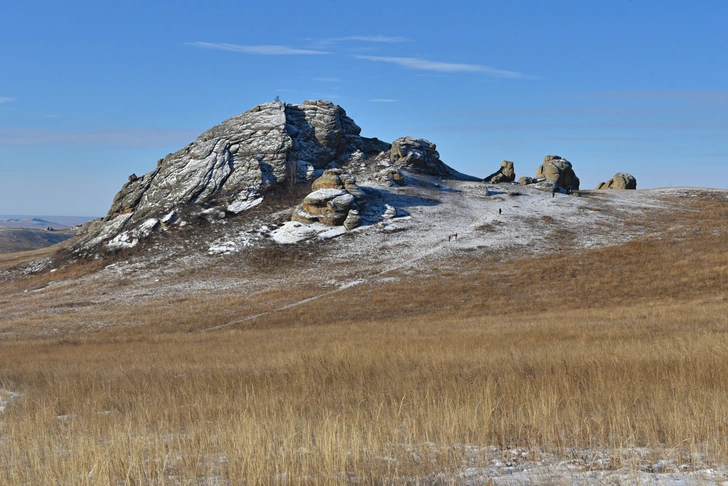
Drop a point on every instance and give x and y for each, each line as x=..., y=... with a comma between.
x=408, y=230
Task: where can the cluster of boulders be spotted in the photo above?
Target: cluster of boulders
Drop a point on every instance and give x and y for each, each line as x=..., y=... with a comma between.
x=555, y=170
x=621, y=180
x=558, y=173
x=335, y=201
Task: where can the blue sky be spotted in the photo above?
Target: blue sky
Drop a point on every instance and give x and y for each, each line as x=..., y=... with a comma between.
x=93, y=91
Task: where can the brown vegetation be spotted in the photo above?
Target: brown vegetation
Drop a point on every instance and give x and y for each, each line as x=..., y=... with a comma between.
x=605, y=349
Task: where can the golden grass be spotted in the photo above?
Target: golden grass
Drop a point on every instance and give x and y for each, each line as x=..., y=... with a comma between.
x=325, y=402
x=9, y=260
x=601, y=349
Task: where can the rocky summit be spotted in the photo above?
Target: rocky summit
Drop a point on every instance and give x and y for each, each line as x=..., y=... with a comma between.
x=230, y=168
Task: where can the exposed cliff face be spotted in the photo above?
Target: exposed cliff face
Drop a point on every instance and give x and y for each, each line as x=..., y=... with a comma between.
x=229, y=167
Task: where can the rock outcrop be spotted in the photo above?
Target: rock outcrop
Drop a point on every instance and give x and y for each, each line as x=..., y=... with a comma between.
x=335, y=195
x=525, y=180
x=621, y=180
x=558, y=171
x=391, y=177
x=418, y=155
x=506, y=173
x=230, y=168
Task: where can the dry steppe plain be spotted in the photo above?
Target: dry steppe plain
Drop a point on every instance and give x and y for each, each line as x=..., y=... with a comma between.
x=570, y=339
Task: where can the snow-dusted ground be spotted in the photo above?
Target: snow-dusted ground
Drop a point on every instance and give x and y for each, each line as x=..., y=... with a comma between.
x=408, y=231
x=630, y=466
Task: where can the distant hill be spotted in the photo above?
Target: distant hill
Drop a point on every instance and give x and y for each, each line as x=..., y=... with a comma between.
x=24, y=239
x=40, y=222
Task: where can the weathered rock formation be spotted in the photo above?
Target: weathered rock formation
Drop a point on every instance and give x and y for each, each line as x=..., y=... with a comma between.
x=506, y=173
x=335, y=194
x=525, y=180
x=229, y=168
x=558, y=171
x=418, y=155
x=621, y=180
x=390, y=177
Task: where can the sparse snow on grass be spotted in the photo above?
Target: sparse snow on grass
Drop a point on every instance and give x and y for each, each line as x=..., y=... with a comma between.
x=630, y=466
x=6, y=398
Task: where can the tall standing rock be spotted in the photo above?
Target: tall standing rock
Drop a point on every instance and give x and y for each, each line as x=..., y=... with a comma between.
x=558, y=171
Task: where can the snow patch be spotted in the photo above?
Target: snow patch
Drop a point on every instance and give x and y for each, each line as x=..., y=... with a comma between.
x=331, y=232
x=147, y=227
x=245, y=201
x=223, y=248
x=293, y=232
x=322, y=195
x=240, y=206
x=123, y=240
x=170, y=218
x=6, y=398
x=110, y=228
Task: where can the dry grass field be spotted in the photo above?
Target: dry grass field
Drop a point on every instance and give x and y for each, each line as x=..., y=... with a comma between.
x=602, y=359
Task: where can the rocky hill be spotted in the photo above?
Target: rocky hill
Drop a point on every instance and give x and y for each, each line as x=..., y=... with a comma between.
x=286, y=173
x=231, y=167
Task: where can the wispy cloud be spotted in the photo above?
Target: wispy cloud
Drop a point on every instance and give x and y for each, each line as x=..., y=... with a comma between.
x=4, y=99
x=443, y=67
x=383, y=100
x=123, y=138
x=263, y=50
x=359, y=38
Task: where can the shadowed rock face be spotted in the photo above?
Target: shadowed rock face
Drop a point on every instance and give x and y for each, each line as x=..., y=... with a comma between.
x=229, y=167
x=506, y=173
x=621, y=180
